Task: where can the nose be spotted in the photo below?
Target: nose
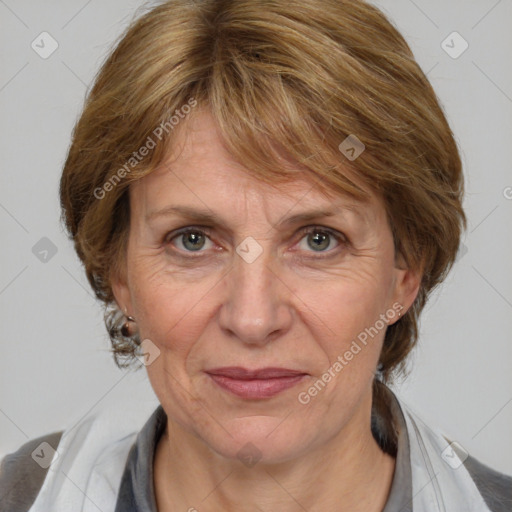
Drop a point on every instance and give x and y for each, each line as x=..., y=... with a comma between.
x=257, y=307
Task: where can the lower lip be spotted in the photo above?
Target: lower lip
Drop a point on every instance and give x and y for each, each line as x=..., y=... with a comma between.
x=256, y=388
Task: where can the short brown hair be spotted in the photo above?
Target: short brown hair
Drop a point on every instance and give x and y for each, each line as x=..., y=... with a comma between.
x=292, y=77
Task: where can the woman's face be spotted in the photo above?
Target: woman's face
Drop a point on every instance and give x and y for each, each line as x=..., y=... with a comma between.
x=257, y=287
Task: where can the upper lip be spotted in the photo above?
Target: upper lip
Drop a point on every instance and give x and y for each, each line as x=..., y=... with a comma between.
x=238, y=372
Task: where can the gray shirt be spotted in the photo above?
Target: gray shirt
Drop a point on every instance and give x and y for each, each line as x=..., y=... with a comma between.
x=21, y=478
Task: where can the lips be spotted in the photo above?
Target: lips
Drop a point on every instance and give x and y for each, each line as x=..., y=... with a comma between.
x=255, y=384
x=239, y=373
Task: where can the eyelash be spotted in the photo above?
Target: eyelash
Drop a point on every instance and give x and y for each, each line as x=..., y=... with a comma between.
x=340, y=238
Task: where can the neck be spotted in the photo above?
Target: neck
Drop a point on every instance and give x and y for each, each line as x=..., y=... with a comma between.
x=334, y=476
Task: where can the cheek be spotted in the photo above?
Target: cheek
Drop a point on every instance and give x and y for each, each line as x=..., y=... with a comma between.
x=344, y=319
x=344, y=305
x=171, y=309
x=345, y=324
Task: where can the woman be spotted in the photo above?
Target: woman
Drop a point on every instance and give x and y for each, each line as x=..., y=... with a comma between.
x=263, y=195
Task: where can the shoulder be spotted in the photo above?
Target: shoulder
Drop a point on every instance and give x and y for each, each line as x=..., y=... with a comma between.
x=22, y=472
x=435, y=450
x=495, y=487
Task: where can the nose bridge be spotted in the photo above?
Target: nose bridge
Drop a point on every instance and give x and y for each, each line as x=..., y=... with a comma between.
x=255, y=304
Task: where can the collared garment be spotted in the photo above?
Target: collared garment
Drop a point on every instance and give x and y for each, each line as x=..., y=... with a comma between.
x=103, y=465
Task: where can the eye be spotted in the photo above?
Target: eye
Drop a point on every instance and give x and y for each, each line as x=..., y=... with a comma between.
x=320, y=240
x=190, y=239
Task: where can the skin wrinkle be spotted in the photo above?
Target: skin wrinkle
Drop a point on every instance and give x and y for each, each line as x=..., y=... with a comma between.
x=280, y=310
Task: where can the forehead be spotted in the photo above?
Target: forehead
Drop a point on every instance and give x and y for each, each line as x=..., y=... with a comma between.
x=199, y=170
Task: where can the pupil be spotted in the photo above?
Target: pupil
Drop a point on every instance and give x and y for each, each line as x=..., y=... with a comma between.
x=320, y=239
x=196, y=240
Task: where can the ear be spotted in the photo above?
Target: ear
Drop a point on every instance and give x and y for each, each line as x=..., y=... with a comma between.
x=121, y=292
x=407, y=282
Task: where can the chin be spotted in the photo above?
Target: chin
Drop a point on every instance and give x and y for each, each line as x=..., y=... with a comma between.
x=259, y=440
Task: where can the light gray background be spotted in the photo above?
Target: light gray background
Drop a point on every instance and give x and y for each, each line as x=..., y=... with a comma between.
x=54, y=363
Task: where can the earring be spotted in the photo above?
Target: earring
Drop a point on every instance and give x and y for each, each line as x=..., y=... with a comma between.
x=128, y=328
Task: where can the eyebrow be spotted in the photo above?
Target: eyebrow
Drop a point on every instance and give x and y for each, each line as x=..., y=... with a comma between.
x=208, y=216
